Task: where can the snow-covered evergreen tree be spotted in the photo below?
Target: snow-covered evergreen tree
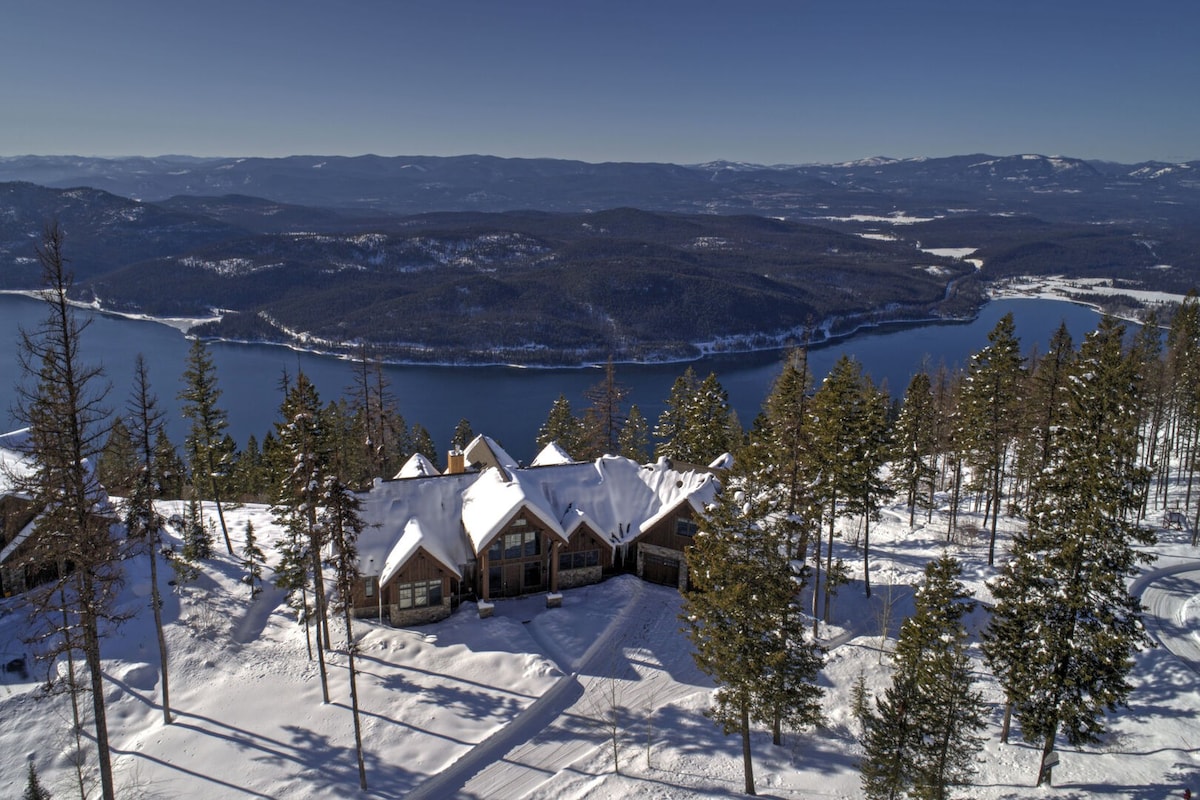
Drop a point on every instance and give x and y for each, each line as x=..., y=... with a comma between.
x=297, y=498
x=988, y=403
x=562, y=426
x=634, y=440
x=922, y=737
x=208, y=447
x=765, y=668
x=253, y=560
x=914, y=446
x=1065, y=627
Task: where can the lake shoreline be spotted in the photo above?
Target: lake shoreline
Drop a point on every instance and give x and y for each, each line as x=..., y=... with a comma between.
x=1051, y=288
x=705, y=350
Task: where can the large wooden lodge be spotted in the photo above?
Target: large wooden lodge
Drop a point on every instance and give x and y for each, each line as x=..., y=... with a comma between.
x=491, y=528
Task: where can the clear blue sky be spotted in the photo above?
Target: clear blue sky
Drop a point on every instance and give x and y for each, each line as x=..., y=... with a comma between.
x=649, y=80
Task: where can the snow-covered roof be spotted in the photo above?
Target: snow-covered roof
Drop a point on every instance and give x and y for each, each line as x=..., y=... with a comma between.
x=13, y=461
x=484, y=451
x=417, y=466
x=495, y=498
x=389, y=506
x=551, y=455
x=411, y=540
x=723, y=461
x=15, y=465
x=454, y=517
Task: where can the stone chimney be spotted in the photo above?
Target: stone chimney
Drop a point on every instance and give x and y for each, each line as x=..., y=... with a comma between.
x=456, y=462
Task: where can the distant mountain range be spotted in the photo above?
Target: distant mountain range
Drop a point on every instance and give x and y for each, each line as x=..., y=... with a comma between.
x=477, y=258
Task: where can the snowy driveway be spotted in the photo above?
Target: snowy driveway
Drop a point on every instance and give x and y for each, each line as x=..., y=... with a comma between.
x=640, y=663
x=1172, y=598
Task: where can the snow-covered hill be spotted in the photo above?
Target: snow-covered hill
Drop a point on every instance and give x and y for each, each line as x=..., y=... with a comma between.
x=507, y=707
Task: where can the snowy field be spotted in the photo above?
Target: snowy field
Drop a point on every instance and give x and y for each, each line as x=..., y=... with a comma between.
x=511, y=706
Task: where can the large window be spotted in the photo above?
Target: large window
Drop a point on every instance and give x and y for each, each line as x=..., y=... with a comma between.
x=584, y=558
x=419, y=594
x=521, y=544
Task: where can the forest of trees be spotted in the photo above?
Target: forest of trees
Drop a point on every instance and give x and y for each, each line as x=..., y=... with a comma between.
x=1081, y=442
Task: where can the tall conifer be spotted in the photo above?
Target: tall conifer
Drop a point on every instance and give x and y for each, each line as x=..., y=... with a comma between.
x=1065, y=627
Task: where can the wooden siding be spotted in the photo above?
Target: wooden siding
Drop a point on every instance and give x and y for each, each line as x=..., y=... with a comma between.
x=421, y=567
x=511, y=571
x=583, y=539
x=663, y=533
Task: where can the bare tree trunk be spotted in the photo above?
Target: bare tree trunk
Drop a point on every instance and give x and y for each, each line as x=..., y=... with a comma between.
x=1044, y=772
x=351, y=649
x=156, y=604
x=747, y=764
x=320, y=617
x=829, y=565
x=867, y=551
x=91, y=651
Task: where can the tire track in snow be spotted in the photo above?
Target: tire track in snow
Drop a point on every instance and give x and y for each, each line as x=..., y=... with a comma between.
x=1172, y=598
x=536, y=719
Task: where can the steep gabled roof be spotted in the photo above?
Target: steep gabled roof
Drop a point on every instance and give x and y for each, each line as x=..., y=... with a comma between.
x=495, y=499
x=412, y=540
x=417, y=466
x=389, y=506
x=552, y=455
x=484, y=452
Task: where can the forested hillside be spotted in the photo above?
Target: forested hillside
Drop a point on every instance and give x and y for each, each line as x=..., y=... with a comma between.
x=639, y=261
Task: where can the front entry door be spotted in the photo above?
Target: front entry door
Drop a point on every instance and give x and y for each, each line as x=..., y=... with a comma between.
x=512, y=581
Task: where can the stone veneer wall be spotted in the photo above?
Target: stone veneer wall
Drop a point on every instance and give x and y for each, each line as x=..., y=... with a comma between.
x=570, y=578
x=402, y=618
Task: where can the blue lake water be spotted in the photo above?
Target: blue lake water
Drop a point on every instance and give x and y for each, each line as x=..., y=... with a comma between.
x=507, y=403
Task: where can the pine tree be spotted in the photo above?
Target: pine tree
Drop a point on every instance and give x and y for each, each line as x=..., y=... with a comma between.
x=838, y=410
x=914, y=444
x=1043, y=406
x=117, y=466
x=1067, y=580
x=923, y=736
x=738, y=619
x=253, y=560
x=874, y=448
x=788, y=430
x=297, y=498
x=208, y=449
x=343, y=520
x=63, y=409
x=634, y=441
x=673, y=419
x=698, y=424
x=988, y=406
x=197, y=536
x=605, y=417
x=170, y=468
x=33, y=786
x=1147, y=354
x=421, y=442
x=142, y=519
x=463, y=434
x=563, y=427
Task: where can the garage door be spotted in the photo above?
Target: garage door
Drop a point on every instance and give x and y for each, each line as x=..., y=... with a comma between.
x=657, y=569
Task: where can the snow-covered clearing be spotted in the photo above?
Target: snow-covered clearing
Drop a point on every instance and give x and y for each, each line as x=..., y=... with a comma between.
x=508, y=707
x=1057, y=287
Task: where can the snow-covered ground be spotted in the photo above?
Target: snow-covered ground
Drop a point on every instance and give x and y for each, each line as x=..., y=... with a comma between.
x=509, y=707
x=1096, y=290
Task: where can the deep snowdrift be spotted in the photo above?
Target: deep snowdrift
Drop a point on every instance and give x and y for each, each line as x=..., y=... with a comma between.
x=508, y=706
